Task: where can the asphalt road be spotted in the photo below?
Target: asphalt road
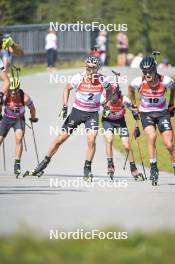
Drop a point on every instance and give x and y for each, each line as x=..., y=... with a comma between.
x=70, y=204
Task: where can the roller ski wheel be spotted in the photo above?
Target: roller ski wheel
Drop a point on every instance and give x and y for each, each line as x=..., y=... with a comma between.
x=17, y=169
x=154, y=174
x=111, y=170
x=17, y=174
x=111, y=175
x=137, y=175
x=154, y=182
x=40, y=174
x=88, y=178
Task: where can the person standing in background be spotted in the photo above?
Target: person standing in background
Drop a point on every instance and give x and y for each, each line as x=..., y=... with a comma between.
x=6, y=56
x=122, y=48
x=51, y=48
x=101, y=41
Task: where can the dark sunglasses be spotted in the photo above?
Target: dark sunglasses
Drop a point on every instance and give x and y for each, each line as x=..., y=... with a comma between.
x=145, y=72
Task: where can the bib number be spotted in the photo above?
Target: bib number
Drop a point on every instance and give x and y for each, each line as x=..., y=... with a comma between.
x=153, y=100
x=90, y=96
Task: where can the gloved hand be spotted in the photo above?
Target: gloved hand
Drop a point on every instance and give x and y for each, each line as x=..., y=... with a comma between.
x=7, y=41
x=33, y=120
x=1, y=98
x=135, y=112
x=137, y=132
x=63, y=112
x=171, y=110
x=106, y=111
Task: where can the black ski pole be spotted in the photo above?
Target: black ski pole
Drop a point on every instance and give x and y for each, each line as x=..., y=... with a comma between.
x=34, y=139
x=130, y=146
x=3, y=145
x=117, y=74
x=138, y=144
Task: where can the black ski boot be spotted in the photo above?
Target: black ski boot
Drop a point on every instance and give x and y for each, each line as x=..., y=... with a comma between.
x=154, y=174
x=87, y=171
x=138, y=176
x=38, y=171
x=111, y=169
x=17, y=168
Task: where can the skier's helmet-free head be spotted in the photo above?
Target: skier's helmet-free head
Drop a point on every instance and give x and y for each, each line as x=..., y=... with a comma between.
x=92, y=64
x=148, y=65
x=14, y=84
x=116, y=93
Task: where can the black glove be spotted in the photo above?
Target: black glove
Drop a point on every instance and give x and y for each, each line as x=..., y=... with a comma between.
x=171, y=110
x=137, y=132
x=63, y=112
x=1, y=117
x=1, y=98
x=106, y=111
x=33, y=120
x=135, y=112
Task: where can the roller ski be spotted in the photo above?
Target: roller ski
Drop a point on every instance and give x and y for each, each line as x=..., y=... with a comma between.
x=39, y=170
x=17, y=168
x=88, y=176
x=33, y=173
x=154, y=174
x=111, y=170
x=138, y=176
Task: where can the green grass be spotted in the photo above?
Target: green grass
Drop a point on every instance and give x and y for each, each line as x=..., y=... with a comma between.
x=163, y=158
x=154, y=248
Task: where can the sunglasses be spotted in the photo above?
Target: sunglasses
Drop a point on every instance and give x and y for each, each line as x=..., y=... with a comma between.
x=145, y=72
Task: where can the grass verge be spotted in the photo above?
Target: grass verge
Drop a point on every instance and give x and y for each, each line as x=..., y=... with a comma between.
x=154, y=248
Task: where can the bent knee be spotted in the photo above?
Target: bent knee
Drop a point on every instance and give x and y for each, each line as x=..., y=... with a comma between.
x=168, y=144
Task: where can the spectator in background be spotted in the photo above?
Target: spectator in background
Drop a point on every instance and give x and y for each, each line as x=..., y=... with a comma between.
x=51, y=48
x=9, y=47
x=95, y=51
x=165, y=64
x=101, y=41
x=6, y=56
x=129, y=59
x=122, y=48
x=137, y=60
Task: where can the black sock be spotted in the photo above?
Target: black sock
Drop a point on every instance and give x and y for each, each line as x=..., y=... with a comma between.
x=17, y=161
x=47, y=158
x=87, y=163
x=110, y=160
x=153, y=164
x=133, y=166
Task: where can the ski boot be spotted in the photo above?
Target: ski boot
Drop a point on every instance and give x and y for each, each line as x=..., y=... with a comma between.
x=138, y=176
x=17, y=168
x=154, y=174
x=111, y=170
x=38, y=171
x=88, y=176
